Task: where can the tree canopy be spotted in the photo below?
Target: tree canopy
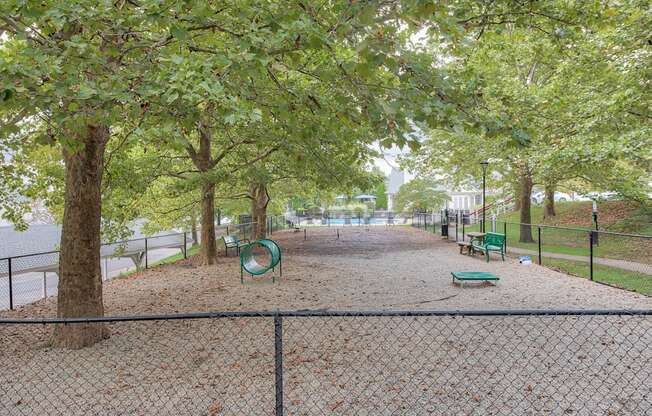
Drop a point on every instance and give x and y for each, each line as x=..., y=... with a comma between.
x=112, y=111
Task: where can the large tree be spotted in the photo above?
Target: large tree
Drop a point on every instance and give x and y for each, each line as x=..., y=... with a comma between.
x=420, y=194
x=552, y=110
x=79, y=75
x=69, y=71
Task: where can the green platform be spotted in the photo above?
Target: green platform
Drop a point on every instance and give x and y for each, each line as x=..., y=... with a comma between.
x=475, y=277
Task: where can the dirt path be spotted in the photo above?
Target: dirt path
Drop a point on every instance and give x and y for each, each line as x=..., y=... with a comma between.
x=398, y=267
x=342, y=365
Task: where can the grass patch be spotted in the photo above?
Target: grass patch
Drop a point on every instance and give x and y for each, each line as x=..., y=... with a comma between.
x=176, y=257
x=576, y=242
x=633, y=281
x=192, y=251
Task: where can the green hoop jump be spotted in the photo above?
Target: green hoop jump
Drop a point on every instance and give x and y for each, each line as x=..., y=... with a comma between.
x=249, y=264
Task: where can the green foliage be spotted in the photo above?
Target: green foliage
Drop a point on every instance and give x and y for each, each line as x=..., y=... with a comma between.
x=421, y=194
x=570, y=109
x=380, y=192
x=294, y=95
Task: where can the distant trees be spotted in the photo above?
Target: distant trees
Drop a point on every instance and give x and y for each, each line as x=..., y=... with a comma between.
x=420, y=194
x=553, y=110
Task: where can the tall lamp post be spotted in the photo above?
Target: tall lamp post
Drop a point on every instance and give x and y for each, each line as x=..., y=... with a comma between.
x=484, y=165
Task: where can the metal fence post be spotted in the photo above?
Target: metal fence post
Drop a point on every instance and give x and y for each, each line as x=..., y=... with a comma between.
x=278, y=360
x=146, y=253
x=457, y=216
x=591, y=254
x=505, y=232
x=185, y=245
x=539, y=233
x=305, y=234
x=11, y=287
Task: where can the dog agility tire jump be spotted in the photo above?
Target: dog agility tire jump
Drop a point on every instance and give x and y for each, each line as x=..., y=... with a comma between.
x=249, y=264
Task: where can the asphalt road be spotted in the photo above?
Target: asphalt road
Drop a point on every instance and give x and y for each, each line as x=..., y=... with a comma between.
x=30, y=287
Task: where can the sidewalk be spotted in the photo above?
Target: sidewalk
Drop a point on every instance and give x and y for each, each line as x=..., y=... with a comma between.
x=620, y=264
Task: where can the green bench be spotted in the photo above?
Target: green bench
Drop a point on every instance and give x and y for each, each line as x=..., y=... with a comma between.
x=231, y=241
x=474, y=277
x=490, y=242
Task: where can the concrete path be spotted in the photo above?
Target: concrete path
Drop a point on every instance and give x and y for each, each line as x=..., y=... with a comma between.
x=620, y=264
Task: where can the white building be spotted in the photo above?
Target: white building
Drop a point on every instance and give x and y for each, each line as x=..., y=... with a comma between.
x=464, y=200
x=394, y=182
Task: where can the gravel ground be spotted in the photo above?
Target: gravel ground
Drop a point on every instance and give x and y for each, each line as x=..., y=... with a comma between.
x=343, y=365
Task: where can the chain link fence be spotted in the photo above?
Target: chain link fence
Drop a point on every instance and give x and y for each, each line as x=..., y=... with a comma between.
x=331, y=363
x=30, y=277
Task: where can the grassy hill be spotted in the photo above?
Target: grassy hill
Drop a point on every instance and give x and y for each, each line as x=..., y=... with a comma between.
x=616, y=216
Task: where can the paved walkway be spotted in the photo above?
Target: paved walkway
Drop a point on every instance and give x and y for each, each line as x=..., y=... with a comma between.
x=620, y=264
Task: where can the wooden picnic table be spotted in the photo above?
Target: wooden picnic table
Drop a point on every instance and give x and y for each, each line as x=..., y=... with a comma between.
x=475, y=237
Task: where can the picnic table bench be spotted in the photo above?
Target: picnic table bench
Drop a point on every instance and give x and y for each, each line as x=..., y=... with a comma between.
x=465, y=245
x=231, y=241
x=489, y=242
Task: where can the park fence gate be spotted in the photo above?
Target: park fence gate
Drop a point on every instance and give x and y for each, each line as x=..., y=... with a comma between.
x=325, y=363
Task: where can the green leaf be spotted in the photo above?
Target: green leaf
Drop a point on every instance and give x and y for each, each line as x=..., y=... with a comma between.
x=85, y=92
x=179, y=33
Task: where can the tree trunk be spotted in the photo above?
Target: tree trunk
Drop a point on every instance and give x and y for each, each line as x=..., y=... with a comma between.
x=193, y=230
x=259, y=201
x=517, y=197
x=204, y=162
x=208, y=245
x=526, y=214
x=549, y=202
x=80, y=275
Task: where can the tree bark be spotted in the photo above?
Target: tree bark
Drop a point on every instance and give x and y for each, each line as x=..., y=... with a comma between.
x=203, y=161
x=208, y=247
x=80, y=275
x=193, y=230
x=526, y=204
x=517, y=196
x=549, y=202
x=259, y=201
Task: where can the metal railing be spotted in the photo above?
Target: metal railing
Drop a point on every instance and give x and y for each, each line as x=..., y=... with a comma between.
x=415, y=362
x=351, y=218
x=622, y=260
x=30, y=277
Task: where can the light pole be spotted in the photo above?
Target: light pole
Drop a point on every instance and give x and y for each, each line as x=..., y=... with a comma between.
x=484, y=165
